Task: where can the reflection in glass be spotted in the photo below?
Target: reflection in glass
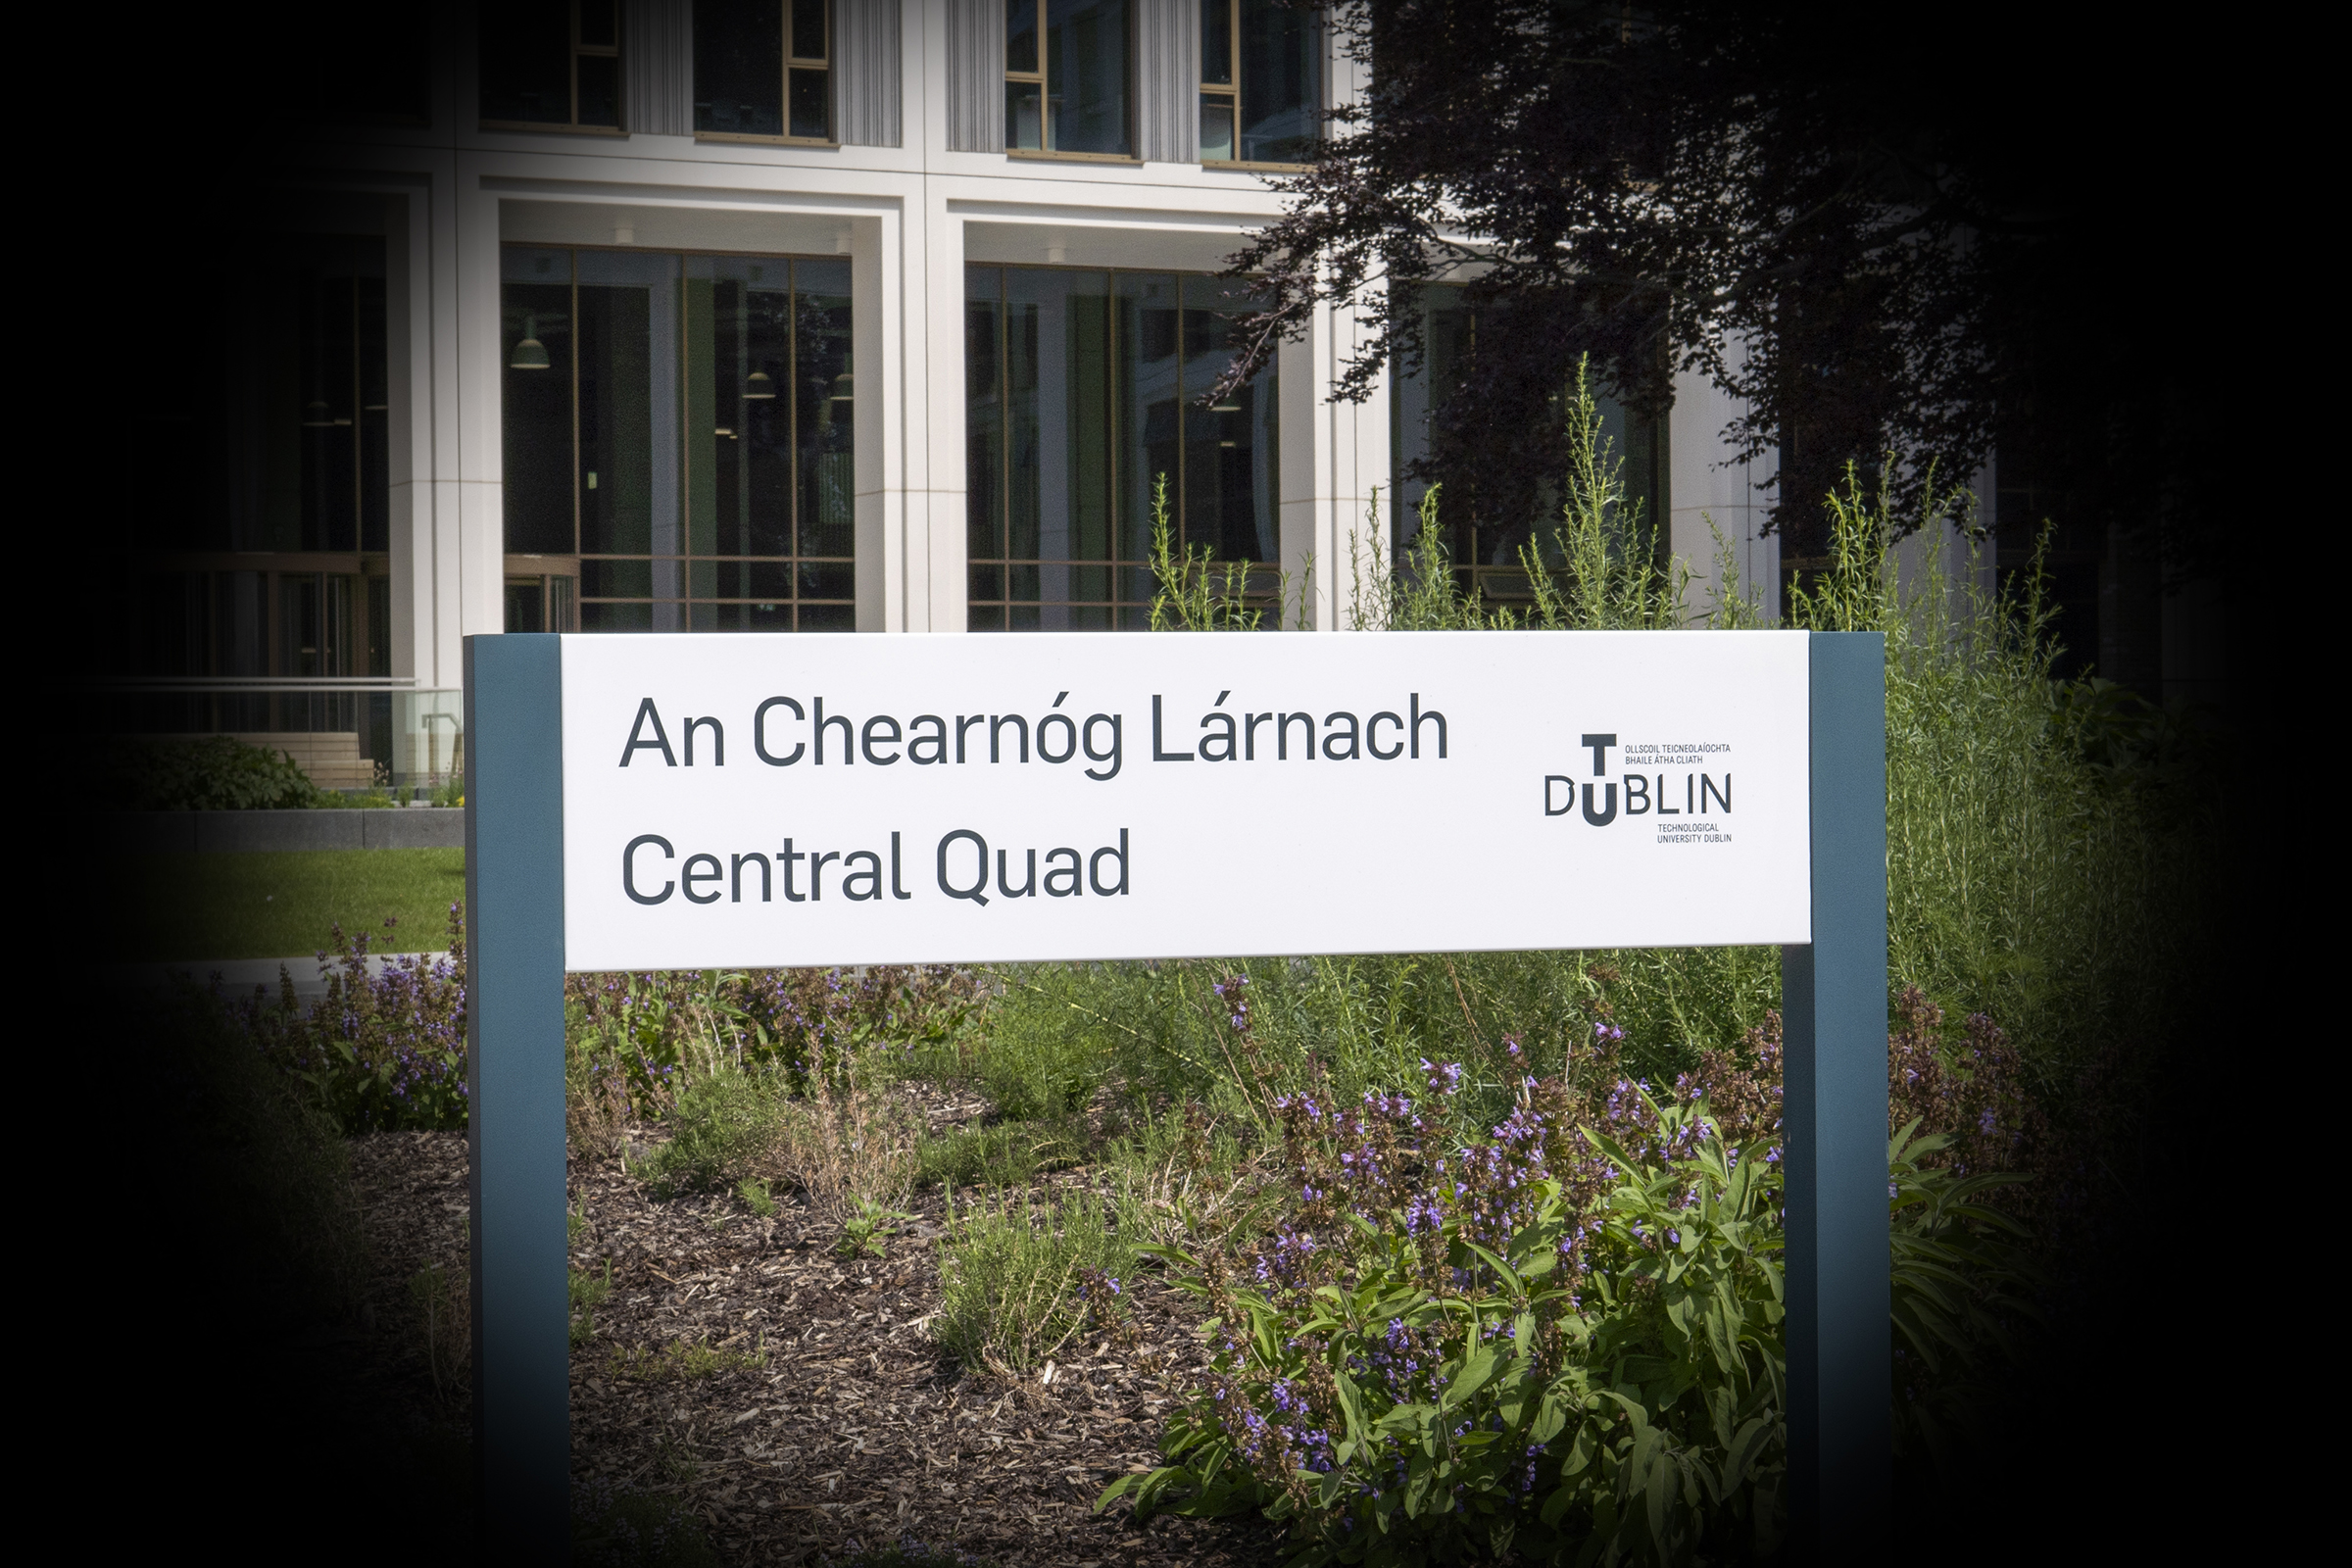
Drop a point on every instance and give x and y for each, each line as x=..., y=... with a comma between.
x=824, y=394
x=738, y=75
x=1082, y=388
x=1020, y=35
x=811, y=104
x=1086, y=76
x=762, y=70
x=1076, y=97
x=1024, y=116
x=809, y=29
x=689, y=437
x=1217, y=42
x=1217, y=129
x=1261, y=83
x=1280, y=82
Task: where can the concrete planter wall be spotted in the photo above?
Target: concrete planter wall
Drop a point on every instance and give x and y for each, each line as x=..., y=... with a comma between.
x=183, y=832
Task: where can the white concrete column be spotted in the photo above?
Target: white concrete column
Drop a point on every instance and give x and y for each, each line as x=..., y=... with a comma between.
x=1332, y=456
x=409, y=419
x=470, y=549
x=933, y=258
x=891, y=562
x=1710, y=490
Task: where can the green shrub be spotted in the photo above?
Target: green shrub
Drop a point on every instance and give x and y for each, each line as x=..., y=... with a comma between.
x=587, y=1293
x=1002, y=1155
x=722, y=1124
x=1044, y=1051
x=213, y=773
x=1010, y=1277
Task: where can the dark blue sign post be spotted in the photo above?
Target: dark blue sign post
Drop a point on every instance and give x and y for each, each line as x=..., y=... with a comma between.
x=1834, y=1125
x=514, y=1082
x=1834, y=1107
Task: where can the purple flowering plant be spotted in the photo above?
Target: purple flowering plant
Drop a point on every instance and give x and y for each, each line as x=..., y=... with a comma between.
x=1562, y=1331
x=385, y=1048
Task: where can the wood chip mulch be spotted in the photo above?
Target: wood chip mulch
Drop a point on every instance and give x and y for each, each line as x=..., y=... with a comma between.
x=834, y=1422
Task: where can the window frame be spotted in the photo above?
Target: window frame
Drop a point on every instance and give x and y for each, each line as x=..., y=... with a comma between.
x=786, y=63
x=1232, y=92
x=1045, y=118
x=574, y=563
x=575, y=51
x=1261, y=580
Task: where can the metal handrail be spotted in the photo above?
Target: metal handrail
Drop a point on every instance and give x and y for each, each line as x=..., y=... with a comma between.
x=267, y=683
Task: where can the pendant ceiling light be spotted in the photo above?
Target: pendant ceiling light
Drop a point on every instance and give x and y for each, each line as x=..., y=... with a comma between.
x=842, y=388
x=758, y=385
x=531, y=354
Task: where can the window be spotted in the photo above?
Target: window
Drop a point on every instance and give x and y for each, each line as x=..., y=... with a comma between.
x=681, y=428
x=1084, y=389
x=550, y=63
x=1261, y=82
x=1484, y=547
x=763, y=71
x=541, y=604
x=1067, y=70
x=285, y=443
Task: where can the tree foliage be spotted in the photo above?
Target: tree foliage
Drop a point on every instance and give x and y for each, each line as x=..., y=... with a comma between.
x=1892, y=232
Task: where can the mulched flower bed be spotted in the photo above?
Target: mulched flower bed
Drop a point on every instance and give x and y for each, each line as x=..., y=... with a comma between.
x=795, y=1398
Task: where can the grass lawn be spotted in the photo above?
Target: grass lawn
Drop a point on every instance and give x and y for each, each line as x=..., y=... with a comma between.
x=191, y=907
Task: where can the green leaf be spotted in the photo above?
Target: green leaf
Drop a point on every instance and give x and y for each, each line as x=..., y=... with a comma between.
x=1657, y=1484
x=1351, y=1405
x=1472, y=1378
x=1742, y=1453
x=1550, y=1418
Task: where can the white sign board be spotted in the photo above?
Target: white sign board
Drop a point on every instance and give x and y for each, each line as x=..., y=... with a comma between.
x=822, y=800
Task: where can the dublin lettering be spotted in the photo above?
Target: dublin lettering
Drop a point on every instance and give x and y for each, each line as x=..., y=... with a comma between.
x=1645, y=793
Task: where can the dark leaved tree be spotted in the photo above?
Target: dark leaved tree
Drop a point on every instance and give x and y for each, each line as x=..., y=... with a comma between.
x=1907, y=231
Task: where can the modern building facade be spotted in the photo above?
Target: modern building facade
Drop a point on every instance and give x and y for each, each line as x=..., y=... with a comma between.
x=885, y=316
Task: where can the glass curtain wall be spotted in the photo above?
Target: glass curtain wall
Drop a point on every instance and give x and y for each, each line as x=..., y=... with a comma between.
x=1485, y=549
x=1085, y=389
x=1261, y=83
x=681, y=426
